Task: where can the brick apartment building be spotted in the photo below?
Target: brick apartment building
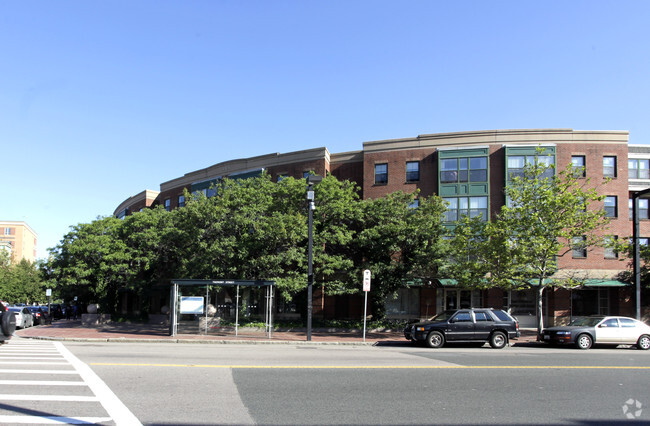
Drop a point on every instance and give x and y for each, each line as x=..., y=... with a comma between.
x=469, y=170
x=19, y=240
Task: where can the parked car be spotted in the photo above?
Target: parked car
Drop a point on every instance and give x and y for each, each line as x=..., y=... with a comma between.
x=585, y=331
x=465, y=325
x=24, y=318
x=38, y=315
x=7, y=323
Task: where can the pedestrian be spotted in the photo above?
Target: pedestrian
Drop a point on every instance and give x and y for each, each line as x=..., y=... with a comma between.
x=74, y=311
x=67, y=312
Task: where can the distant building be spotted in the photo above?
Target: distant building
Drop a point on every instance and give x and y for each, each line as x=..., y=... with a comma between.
x=19, y=240
x=469, y=170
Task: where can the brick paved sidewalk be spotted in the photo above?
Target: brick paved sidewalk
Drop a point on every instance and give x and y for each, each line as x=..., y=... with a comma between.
x=72, y=330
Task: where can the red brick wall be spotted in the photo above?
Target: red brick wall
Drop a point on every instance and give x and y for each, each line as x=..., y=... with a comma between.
x=396, y=161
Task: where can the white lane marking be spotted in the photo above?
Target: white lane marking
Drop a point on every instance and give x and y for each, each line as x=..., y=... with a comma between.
x=30, y=357
x=31, y=363
x=67, y=398
x=111, y=403
x=9, y=370
x=43, y=382
x=47, y=420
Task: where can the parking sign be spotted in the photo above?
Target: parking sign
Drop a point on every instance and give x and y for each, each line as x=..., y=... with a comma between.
x=366, y=280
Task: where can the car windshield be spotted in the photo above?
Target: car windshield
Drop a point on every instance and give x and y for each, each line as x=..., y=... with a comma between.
x=443, y=316
x=586, y=321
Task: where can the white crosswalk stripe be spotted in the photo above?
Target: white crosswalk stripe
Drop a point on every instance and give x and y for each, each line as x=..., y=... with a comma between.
x=49, y=385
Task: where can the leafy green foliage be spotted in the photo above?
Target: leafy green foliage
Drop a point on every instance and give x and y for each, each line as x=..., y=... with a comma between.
x=21, y=282
x=521, y=246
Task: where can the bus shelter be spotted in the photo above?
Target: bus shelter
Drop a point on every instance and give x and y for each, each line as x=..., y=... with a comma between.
x=217, y=306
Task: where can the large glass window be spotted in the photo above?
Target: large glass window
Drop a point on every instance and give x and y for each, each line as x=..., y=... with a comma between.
x=643, y=208
x=381, y=173
x=638, y=169
x=609, y=166
x=404, y=304
x=461, y=170
x=181, y=201
x=466, y=206
x=611, y=206
x=516, y=164
x=412, y=171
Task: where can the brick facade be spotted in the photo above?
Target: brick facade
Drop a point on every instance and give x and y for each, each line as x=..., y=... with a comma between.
x=359, y=166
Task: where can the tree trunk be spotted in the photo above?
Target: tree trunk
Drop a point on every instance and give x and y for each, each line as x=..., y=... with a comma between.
x=540, y=310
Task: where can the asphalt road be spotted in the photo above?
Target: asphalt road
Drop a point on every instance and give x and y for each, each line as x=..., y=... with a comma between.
x=186, y=384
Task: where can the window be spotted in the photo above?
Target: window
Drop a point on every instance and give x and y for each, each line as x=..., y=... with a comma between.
x=610, y=250
x=306, y=173
x=643, y=208
x=181, y=201
x=282, y=176
x=627, y=322
x=415, y=204
x=466, y=206
x=461, y=170
x=7, y=231
x=168, y=204
x=482, y=316
x=381, y=174
x=612, y=322
x=516, y=164
x=609, y=166
x=611, y=206
x=462, y=317
x=579, y=247
x=638, y=169
x=412, y=171
x=578, y=165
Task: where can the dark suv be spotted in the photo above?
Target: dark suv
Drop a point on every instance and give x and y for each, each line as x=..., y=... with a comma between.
x=465, y=325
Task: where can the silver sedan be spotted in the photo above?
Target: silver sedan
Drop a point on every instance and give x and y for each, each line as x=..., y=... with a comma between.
x=24, y=318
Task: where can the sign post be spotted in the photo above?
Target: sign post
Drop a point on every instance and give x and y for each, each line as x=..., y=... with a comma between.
x=366, y=288
x=48, y=293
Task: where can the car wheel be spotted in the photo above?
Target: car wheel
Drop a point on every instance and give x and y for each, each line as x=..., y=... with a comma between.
x=584, y=341
x=435, y=339
x=498, y=340
x=644, y=342
x=8, y=323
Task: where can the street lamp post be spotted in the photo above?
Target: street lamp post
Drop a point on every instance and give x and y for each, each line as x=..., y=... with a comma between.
x=311, y=181
x=637, y=253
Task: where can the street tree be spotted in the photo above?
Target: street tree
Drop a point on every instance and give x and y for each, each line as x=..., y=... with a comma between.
x=546, y=217
x=399, y=242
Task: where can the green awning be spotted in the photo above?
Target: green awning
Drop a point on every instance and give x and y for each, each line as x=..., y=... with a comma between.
x=605, y=283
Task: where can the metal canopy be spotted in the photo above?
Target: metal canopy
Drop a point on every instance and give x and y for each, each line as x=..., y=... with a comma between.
x=243, y=283
x=175, y=305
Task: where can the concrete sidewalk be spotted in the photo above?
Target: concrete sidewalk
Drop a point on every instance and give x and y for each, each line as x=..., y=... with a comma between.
x=71, y=330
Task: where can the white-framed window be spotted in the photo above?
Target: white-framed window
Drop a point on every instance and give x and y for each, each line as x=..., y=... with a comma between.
x=181, y=201
x=168, y=204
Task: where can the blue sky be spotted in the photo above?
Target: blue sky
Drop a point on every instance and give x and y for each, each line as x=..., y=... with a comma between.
x=101, y=100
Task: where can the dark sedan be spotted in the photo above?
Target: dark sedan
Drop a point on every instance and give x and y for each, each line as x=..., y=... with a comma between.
x=586, y=331
x=38, y=314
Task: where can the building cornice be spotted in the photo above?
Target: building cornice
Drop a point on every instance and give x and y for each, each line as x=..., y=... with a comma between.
x=504, y=137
